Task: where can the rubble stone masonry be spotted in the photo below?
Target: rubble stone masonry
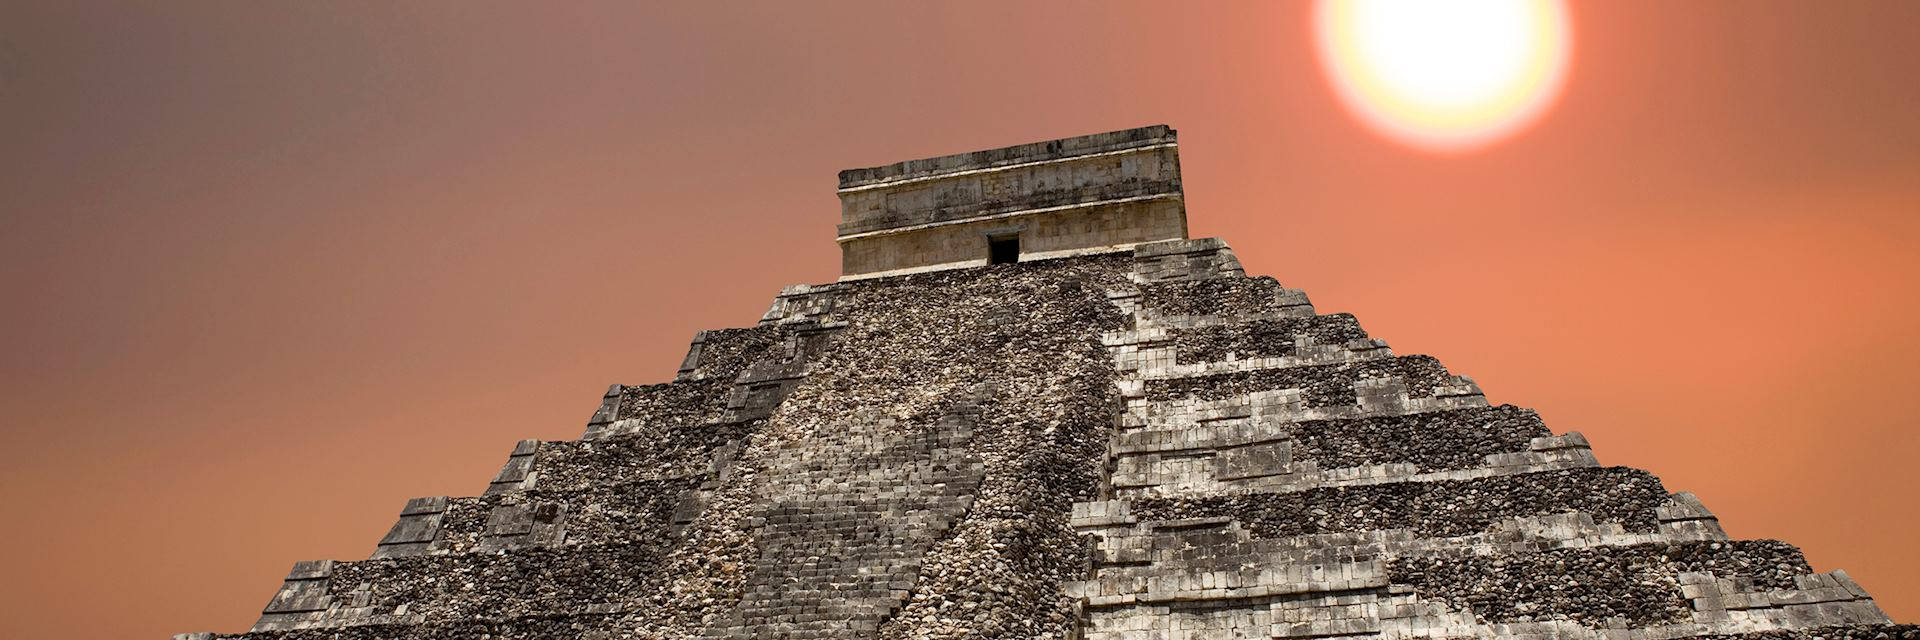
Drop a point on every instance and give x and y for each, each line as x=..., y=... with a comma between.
x=1136, y=441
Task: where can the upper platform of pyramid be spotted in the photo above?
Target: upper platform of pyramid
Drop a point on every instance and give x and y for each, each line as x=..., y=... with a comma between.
x=1097, y=193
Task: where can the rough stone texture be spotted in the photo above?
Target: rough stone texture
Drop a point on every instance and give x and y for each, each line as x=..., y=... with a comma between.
x=1430, y=509
x=1324, y=385
x=1431, y=440
x=1100, y=193
x=1841, y=632
x=1263, y=338
x=1242, y=296
x=1011, y=356
x=706, y=384
x=1136, y=445
x=1636, y=582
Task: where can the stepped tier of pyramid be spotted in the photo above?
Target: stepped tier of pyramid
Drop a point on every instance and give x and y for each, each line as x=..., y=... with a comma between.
x=1033, y=408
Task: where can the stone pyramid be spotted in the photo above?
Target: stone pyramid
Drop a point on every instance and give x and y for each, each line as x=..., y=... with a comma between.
x=1033, y=408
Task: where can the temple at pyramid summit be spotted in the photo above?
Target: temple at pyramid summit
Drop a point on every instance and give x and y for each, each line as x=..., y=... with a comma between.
x=1032, y=407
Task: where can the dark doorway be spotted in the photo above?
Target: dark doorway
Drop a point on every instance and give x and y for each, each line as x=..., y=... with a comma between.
x=1003, y=250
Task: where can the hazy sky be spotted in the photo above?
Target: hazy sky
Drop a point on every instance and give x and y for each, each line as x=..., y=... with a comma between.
x=267, y=269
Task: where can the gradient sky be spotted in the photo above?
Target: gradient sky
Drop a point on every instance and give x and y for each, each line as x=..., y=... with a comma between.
x=267, y=269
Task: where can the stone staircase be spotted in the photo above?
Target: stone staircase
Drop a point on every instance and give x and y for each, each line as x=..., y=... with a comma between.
x=1280, y=474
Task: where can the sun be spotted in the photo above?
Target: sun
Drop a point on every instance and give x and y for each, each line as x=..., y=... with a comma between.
x=1445, y=76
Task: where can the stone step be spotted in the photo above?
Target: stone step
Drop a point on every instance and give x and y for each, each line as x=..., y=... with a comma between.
x=427, y=589
x=728, y=375
x=625, y=512
x=1641, y=583
x=1619, y=495
x=1269, y=457
x=1179, y=303
x=1320, y=386
x=1319, y=586
x=1128, y=546
x=1844, y=631
x=1433, y=440
x=665, y=405
x=650, y=451
x=1264, y=338
x=533, y=627
x=1241, y=344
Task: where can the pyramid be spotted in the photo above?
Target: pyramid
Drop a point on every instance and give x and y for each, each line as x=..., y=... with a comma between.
x=1032, y=407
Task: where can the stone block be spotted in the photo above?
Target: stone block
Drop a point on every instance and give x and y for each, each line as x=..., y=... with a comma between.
x=1253, y=461
x=416, y=530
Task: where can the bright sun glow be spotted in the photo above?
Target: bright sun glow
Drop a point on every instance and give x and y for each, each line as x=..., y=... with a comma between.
x=1445, y=76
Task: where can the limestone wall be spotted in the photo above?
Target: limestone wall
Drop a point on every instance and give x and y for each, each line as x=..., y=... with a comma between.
x=1104, y=192
x=1095, y=229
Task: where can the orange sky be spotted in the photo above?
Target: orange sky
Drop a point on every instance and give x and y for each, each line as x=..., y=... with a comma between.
x=269, y=269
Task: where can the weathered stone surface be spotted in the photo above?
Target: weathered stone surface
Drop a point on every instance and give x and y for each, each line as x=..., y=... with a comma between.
x=1617, y=495
x=1432, y=440
x=1101, y=193
x=1264, y=338
x=1224, y=298
x=1638, y=582
x=1321, y=386
x=1134, y=442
